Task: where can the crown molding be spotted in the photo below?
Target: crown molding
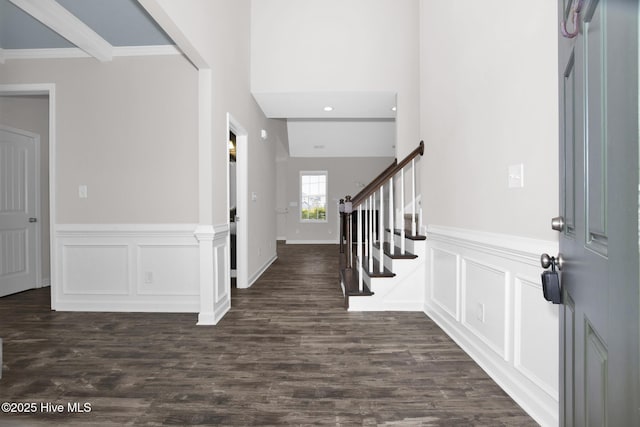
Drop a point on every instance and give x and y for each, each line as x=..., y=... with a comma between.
x=63, y=22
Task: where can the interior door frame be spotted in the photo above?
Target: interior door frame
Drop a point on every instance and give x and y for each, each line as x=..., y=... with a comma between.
x=242, y=179
x=48, y=89
x=38, y=208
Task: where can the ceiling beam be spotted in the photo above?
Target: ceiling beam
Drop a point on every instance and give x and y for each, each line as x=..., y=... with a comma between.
x=63, y=22
x=162, y=18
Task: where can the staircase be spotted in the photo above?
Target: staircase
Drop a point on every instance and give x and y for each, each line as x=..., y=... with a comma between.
x=382, y=255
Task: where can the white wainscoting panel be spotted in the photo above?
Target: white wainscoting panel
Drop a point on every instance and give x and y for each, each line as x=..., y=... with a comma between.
x=157, y=274
x=536, y=324
x=95, y=269
x=138, y=267
x=484, y=301
x=446, y=281
x=484, y=291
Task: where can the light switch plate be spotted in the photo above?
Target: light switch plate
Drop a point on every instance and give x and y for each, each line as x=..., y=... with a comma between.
x=516, y=176
x=83, y=192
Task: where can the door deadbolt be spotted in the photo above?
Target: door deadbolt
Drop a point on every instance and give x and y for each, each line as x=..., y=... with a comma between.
x=557, y=223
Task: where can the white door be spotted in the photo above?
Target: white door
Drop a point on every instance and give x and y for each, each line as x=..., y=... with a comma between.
x=17, y=211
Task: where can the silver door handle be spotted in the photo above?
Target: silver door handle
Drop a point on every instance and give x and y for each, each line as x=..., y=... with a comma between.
x=33, y=219
x=557, y=223
x=547, y=261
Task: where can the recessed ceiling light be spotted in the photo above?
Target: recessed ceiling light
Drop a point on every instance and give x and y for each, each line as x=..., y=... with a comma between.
x=328, y=108
x=393, y=108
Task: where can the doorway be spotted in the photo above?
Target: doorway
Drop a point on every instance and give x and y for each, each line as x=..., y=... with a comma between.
x=233, y=206
x=238, y=228
x=25, y=141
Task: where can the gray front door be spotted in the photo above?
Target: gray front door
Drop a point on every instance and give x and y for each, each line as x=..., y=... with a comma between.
x=599, y=322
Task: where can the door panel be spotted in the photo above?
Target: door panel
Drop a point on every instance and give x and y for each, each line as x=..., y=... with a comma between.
x=599, y=325
x=568, y=170
x=17, y=205
x=595, y=138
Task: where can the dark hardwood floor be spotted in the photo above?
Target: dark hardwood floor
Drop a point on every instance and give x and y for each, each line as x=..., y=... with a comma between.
x=286, y=354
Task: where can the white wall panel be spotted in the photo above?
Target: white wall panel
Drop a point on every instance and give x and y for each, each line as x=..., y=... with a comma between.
x=445, y=280
x=505, y=324
x=484, y=291
x=95, y=269
x=536, y=326
x=140, y=267
x=167, y=270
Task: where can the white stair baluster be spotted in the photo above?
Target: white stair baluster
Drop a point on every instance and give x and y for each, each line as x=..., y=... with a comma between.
x=359, y=233
x=391, y=225
x=370, y=234
x=402, y=234
x=413, y=195
x=381, y=229
x=366, y=228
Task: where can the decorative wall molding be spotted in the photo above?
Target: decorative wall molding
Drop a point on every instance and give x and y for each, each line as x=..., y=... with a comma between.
x=73, y=52
x=484, y=291
x=126, y=267
x=521, y=249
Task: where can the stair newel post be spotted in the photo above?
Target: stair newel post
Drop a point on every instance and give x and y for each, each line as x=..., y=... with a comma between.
x=402, y=232
x=370, y=234
x=341, y=212
x=381, y=229
x=359, y=234
x=391, y=225
x=348, y=208
x=413, y=197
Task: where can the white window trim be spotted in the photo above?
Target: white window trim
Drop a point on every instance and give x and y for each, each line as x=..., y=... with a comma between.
x=326, y=217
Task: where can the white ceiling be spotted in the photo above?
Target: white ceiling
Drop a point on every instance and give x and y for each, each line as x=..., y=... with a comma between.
x=341, y=138
x=361, y=124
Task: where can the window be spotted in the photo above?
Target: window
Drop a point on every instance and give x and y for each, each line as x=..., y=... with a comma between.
x=313, y=196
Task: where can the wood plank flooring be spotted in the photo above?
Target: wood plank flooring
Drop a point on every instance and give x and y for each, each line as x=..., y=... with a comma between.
x=286, y=354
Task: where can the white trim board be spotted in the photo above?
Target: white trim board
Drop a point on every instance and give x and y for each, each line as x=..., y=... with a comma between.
x=48, y=89
x=255, y=276
x=73, y=52
x=311, y=242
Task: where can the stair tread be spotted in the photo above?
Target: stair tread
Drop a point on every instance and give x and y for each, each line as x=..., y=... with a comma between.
x=397, y=252
x=350, y=280
x=408, y=235
x=376, y=269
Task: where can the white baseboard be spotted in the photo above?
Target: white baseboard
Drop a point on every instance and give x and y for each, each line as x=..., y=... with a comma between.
x=312, y=242
x=484, y=291
x=255, y=276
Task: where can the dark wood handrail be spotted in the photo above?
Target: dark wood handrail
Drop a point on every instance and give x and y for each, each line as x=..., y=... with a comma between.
x=386, y=175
